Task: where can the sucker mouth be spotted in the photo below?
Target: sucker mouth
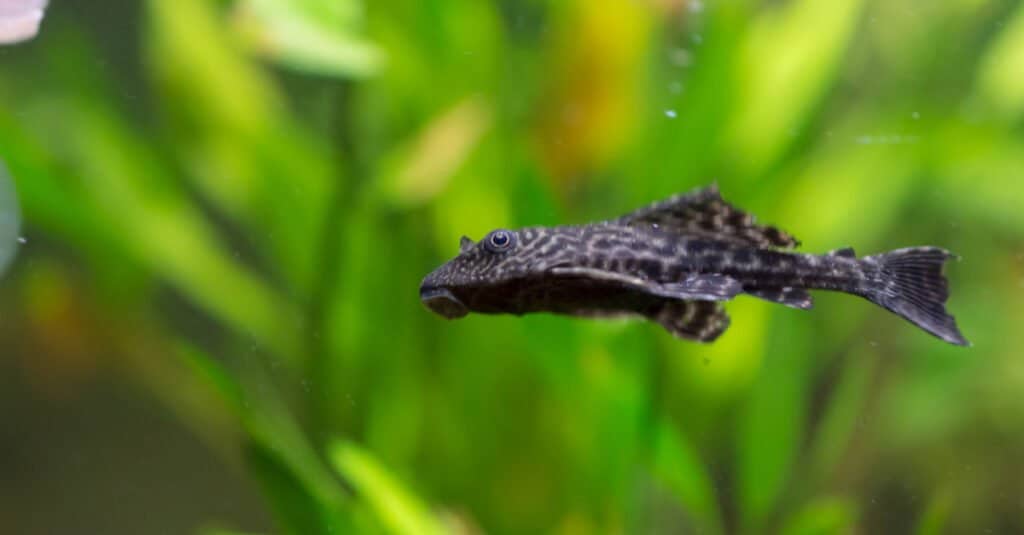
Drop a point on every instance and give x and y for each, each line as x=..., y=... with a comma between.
x=443, y=302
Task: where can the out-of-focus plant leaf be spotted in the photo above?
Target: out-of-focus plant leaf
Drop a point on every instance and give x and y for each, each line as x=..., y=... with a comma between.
x=396, y=507
x=297, y=509
x=698, y=86
x=316, y=36
x=123, y=182
x=243, y=150
x=825, y=516
x=50, y=199
x=999, y=80
x=827, y=202
x=585, y=119
x=195, y=65
x=980, y=175
x=731, y=365
x=10, y=219
x=771, y=425
x=680, y=468
x=421, y=169
x=218, y=379
x=304, y=492
x=936, y=516
x=790, y=56
x=840, y=419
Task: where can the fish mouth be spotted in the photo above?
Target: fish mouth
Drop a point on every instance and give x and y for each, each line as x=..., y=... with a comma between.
x=443, y=302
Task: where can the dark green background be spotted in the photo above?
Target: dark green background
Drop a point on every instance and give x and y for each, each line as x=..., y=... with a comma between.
x=214, y=324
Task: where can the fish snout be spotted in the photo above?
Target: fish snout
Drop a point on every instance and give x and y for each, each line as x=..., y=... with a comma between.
x=441, y=300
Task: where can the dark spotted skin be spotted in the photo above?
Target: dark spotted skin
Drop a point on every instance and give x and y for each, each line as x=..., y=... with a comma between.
x=518, y=280
x=674, y=262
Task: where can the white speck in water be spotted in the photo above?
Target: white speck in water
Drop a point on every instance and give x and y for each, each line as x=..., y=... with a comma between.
x=915, y=116
x=671, y=114
x=22, y=240
x=680, y=57
x=696, y=6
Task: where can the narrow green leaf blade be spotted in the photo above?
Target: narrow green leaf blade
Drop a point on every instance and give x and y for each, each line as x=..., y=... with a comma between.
x=396, y=507
x=679, y=467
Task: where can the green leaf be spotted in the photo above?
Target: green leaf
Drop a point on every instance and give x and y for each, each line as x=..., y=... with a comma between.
x=936, y=516
x=771, y=425
x=422, y=168
x=826, y=516
x=123, y=181
x=840, y=419
x=805, y=41
x=243, y=150
x=679, y=467
x=222, y=531
x=297, y=508
x=395, y=506
x=1000, y=85
x=315, y=36
x=300, y=486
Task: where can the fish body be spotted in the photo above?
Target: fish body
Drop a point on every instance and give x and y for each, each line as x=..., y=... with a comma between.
x=10, y=219
x=674, y=262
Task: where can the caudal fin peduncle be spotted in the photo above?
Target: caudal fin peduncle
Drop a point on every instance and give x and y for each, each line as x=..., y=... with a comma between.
x=914, y=287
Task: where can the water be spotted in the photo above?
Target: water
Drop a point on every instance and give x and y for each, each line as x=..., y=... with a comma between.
x=10, y=219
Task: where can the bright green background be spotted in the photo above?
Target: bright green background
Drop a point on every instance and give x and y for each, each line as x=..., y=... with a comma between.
x=229, y=207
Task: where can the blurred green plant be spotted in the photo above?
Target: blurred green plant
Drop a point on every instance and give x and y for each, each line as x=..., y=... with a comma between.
x=291, y=213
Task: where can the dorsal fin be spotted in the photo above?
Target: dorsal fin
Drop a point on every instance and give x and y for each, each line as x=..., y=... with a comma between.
x=703, y=214
x=703, y=321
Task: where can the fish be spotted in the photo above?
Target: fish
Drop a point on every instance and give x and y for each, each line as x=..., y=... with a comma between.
x=675, y=262
x=10, y=219
x=20, y=19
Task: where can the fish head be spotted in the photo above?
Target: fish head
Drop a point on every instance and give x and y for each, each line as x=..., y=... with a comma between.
x=487, y=276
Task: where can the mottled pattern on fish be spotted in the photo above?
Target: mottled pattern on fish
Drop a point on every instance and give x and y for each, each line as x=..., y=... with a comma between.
x=674, y=262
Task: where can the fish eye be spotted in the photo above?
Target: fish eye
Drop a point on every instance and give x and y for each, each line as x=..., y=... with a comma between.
x=499, y=240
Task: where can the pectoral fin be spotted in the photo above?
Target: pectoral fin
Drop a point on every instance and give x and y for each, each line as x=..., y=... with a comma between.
x=703, y=321
x=694, y=287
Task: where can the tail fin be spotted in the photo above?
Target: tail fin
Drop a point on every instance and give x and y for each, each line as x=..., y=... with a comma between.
x=914, y=287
